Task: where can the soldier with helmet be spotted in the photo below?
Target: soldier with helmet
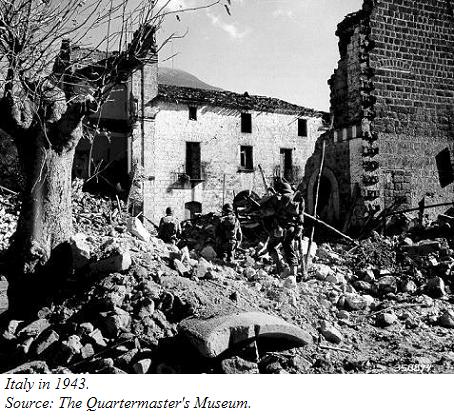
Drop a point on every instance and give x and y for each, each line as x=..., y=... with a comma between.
x=283, y=219
x=169, y=228
x=228, y=233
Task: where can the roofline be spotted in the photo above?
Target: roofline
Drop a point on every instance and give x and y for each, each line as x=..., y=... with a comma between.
x=292, y=110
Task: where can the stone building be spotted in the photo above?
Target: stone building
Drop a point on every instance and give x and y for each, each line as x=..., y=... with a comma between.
x=192, y=148
x=392, y=106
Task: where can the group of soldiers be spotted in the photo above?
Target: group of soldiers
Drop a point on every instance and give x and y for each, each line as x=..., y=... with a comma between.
x=282, y=219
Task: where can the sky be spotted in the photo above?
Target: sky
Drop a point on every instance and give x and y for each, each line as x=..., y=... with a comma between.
x=280, y=48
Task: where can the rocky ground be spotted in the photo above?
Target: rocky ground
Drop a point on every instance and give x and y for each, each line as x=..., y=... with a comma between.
x=134, y=304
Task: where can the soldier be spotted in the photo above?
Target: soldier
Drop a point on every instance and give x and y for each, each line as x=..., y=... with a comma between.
x=283, y=220
x=169, y=228
x=228, y=233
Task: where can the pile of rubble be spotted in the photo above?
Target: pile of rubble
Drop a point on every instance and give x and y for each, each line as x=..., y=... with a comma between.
x=9, y=213
x=137, y=305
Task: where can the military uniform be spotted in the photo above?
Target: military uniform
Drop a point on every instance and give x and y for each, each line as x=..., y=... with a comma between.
x=284, y=223
x=169, y=228
x=228, y=234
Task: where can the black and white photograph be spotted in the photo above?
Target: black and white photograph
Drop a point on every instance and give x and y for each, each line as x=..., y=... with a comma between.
x=225, y=187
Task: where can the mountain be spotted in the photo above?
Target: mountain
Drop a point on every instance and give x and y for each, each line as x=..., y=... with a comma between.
x=175, y=77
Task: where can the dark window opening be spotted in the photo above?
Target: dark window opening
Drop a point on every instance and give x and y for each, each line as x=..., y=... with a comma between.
x=246, y=122
x=192, y=209
x=193, y=113
x=302, y=127
x=444, y=167
x=286, y=164
x=193, y=161
x=246, y=161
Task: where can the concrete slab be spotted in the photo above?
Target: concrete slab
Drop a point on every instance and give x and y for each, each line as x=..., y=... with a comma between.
x=215, y=335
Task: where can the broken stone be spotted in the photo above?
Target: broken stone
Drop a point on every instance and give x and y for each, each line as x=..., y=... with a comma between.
x=250, y=273
x=237, y=365
x=24, y=347
x=80, y=249
x=97, y=337
x=343, y=315
x=124, y=361
x=387, y=284
x=34, y=329
x=356, y=302
x=436, y=287
x=87, y=351
x=202, y=269
x=146, y=309
x=386, y=319
x=290, y=282
x=330, y=333
x=116, y=263
x=447, y=319
x=215, y=335
x=72, y=345
x=117, y=323
x=86, y=328
x=180, y=267
x=142, y=366
x=136, y=228
x=208, y=253
x=33, y=367
x=13, y=325
x=323, y=271
x=368, y=276
x=364, y=286
x=45, y=341
x=408, y=286
x=117, y=296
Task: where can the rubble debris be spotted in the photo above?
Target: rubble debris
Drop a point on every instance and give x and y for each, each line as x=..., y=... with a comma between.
x=380, y=293
x=215, y=335
x=330, y=332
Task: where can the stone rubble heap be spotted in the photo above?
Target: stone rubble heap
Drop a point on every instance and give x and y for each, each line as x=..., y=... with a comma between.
x=134, y=305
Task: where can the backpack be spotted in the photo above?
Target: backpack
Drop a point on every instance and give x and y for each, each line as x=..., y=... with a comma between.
x=168, y=229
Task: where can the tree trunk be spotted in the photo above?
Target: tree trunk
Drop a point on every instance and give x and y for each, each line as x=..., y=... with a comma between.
x=45, y=221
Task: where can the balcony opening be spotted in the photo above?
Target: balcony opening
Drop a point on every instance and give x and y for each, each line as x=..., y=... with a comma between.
x=193, y=161
x=246, y=158
x=286, y=166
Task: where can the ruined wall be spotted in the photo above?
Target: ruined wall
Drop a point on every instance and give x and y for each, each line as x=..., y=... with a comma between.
x=413, y=65
x=218, y=130
x=395, y=86
x=345, y=82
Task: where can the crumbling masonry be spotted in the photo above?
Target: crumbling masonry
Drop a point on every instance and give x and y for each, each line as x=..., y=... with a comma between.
x=392, y=108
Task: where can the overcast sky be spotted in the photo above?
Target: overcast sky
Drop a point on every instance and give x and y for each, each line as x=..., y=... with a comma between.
x=281, y=48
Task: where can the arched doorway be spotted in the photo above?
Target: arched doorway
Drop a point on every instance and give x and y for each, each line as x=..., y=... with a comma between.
x=191, y=209
x=328, y=199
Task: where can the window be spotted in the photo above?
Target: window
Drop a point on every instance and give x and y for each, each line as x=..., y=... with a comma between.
x=302, y=127
x=193, y=161
x=246, y=122
x=192, y=209
x=193, y=113
x=246, y=162
x=444, y=166
x=286, y=168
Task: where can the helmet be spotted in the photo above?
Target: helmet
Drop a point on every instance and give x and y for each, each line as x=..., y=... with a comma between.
x=227, y=208
x=169, y=211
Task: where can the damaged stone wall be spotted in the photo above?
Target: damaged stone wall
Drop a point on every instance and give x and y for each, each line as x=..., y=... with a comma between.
x=413, y=65
x=394, y=89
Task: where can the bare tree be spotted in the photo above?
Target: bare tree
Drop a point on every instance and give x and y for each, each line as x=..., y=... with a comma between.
x=46, y=96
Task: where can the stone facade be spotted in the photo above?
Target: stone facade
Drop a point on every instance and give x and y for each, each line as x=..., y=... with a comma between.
x=392, y=103
x=218, y=131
